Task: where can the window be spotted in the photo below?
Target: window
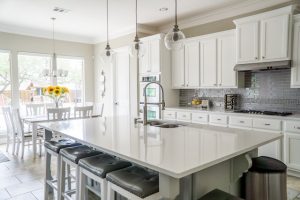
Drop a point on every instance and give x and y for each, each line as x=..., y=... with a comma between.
x=5, y=85
x=70, y=74
x=31, y=79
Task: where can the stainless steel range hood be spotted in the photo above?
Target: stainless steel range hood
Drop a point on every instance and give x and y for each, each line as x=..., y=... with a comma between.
x=286, y=64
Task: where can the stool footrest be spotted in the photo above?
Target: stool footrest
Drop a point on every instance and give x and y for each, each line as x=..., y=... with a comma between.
x=68, y=194
x=52, y=183
x=97, y=192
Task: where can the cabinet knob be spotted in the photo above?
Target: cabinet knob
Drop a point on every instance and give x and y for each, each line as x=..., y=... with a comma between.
x=263, y=57
x=256, y=58
x=267, y=124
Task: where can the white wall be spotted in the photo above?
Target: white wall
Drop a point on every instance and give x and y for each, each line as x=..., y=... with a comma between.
x=20, y=43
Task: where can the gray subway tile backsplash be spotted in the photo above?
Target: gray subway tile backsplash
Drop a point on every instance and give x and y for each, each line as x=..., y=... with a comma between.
x=265, y=90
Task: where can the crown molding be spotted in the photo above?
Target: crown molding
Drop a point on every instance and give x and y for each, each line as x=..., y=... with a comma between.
x=224, y=13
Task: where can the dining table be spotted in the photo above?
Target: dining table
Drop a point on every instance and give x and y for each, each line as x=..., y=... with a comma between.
x=191, y=159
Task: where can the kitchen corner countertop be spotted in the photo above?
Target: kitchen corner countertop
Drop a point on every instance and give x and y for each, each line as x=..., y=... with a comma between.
x=192, y=109
x=176, y=152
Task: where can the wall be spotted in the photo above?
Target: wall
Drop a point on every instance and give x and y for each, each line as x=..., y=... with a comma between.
x=227, y=24
x=267, y=90
x=20, y=43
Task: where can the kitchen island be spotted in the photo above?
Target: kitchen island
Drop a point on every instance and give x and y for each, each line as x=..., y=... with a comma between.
x=191, y=160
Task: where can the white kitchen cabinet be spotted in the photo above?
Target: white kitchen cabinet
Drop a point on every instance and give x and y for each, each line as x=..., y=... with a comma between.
x=272, y=150
x=218, y=120
x=169, y=115
x=295, y=78
x=292, y=149
x=150, y=62
x=247, y=42
x=227, y=77
x=183, y=116
x=192, y=65
x=208, y=62
x=264, y=37
x=178, y=70
x=275, y=38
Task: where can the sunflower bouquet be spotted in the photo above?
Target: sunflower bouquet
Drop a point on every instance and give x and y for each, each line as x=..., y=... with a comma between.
x=55, y=92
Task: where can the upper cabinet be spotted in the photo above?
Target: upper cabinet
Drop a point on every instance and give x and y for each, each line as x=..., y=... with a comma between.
x=185, y=66
x=206, y=62
x=295, y=81
x=150, y=62
x=264, y=37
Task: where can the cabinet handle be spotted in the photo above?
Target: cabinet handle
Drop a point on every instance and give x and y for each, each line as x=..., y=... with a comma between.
x=183, y=115
x=263, y=57
x=219, y=119
x=242, y=122
x=267, y=124
x=256, y=58
x=200, y=117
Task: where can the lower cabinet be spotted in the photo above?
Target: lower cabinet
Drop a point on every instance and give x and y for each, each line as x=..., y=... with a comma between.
x=272, y=150
x=292, y=150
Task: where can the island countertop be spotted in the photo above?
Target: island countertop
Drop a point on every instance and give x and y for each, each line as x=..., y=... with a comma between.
x=176, y=152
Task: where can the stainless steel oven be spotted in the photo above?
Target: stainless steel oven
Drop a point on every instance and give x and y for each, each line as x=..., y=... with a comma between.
x=153, y=95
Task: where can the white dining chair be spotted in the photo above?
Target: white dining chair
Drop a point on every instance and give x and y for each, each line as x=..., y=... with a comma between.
x=58, y=113
x=23, y=138
x=10, y=129
x=83, y=111
x=34, y=109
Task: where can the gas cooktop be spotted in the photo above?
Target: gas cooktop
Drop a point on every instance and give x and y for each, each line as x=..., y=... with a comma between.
x=259, y=112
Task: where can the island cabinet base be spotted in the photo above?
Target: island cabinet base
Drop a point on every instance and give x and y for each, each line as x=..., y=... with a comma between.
x=225, y=176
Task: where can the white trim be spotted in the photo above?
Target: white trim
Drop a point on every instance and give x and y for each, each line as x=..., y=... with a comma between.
x=244, y=7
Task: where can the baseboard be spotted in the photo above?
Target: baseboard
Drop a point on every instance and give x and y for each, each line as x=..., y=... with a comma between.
x=292, y=172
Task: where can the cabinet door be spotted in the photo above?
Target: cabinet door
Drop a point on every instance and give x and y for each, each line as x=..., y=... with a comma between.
x=227, y=77
x=178, y=68
x=295, y=82
x=247, y=42
x=208, y=62
x=154, y=56
x=275, y=38
x=192, y=65
x=292, y=145
x=144, y=61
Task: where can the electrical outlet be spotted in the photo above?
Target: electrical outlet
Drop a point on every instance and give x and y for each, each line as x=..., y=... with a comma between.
x=218, y=104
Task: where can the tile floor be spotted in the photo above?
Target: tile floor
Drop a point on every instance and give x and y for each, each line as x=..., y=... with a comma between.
x=24, y=179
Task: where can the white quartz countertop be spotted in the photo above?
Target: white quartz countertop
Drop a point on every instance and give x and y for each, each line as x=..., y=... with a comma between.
x=176, y=152
x=192, y=109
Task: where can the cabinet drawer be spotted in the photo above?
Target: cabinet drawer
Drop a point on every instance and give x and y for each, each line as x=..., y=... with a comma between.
x=169, y=114
x=201, y=118
x=292, y=126
x=240, y=121
x=218, y=119
x=268, y=124
x=184, y=116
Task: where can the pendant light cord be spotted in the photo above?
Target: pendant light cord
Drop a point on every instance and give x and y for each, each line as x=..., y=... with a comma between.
x=53, y=39
x=176, y=12
x=107, y=22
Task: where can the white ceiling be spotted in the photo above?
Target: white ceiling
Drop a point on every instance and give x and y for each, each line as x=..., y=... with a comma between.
x=86, y=21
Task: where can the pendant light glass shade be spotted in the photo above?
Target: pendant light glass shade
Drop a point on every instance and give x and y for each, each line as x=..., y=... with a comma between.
x=106, y=56
x=173, y=39
x=137, y=48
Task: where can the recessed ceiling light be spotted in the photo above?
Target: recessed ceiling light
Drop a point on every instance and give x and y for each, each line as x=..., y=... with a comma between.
x=60, y=10
x=163, y=9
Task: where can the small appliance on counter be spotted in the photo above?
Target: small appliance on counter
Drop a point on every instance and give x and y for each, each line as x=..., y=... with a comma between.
x=198, y=102
x=231, y=102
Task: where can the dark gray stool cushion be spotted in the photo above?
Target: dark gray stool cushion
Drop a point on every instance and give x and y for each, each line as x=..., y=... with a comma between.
x=102, y=164
x=56, y=146
x=74, y=154
x=136, y=180
x=219, y=195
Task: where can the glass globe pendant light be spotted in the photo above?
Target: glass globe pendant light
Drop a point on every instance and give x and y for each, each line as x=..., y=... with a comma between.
x=174, y=36
x=108, y=52
x=137, y=47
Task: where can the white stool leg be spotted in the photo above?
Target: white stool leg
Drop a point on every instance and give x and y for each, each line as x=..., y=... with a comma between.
x=7, y=143
x=47, y=176
x=82, y=188
x=14, y=145
x=69, y=177
x=77, y=182
x=62, y=178
x=110, y=192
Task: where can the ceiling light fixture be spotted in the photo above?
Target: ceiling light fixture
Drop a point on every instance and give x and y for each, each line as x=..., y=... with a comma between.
x=137, y=48
x=107, y=57
x=174, y=36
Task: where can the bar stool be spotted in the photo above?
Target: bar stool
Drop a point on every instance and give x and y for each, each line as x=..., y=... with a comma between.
x=96, y=168
x=70, y=156
x=52, y=148
x=133, y=183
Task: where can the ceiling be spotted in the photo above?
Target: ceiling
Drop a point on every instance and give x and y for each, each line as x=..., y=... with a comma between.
x=86, y=19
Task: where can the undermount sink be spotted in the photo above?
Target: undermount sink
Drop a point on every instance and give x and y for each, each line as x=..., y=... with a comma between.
x=163, y=124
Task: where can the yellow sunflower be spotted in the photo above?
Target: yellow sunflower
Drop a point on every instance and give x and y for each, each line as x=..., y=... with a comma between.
x=50, y=89
x=65, y=90
x=57, y=92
